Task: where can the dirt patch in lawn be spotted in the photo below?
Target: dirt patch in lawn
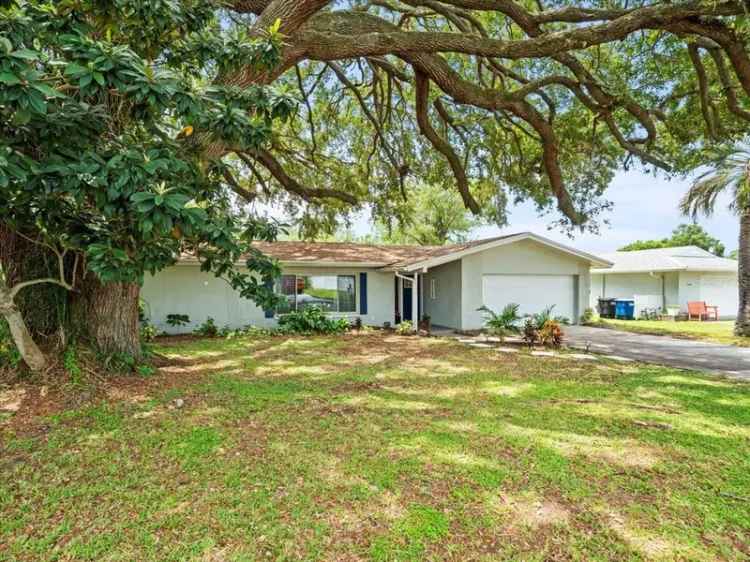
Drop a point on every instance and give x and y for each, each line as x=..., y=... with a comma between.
x=529, y=511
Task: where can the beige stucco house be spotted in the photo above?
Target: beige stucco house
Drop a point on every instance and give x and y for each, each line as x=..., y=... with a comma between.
x=384, y=284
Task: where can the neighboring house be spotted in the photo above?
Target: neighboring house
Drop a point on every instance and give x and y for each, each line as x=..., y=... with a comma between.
x=669, y=277
x=377, y=283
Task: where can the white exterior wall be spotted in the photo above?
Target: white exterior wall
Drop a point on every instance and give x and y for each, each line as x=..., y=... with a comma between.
x=445, y=309
x=526, y=257
x=690, y=288
x=679, y=288
x=672, y=288
x=623, y=286
x=703, y=287
x=185, y=289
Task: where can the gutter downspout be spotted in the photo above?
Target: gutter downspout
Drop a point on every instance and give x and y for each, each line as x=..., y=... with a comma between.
x=661, y=276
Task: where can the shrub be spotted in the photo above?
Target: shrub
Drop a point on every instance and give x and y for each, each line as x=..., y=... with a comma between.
x=145, y=370
x=551, y=334
x=406, y=328
x=589, y=316
x=176, y=320
x=312, y=320
x=208, y=328
x=504, y=323
x=530, y=332
x=540, y=318
x=148, y=332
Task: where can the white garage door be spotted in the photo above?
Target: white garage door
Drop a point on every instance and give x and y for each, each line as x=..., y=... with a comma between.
x=532, y=292
x=721, y=290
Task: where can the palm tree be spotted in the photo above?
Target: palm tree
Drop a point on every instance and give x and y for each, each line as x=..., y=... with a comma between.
x=731, y=172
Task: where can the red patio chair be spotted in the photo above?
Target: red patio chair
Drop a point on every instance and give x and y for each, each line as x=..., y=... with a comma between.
x=701, y=310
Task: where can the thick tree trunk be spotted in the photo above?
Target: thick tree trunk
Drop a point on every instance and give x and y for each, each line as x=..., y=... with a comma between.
x=742, y=327
x=30, y=352
x=107, y=314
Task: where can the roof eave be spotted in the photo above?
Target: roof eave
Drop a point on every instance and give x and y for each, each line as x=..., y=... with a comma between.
x=663, y=270
x=446, y=258
x=301, y=263
x=331, y=263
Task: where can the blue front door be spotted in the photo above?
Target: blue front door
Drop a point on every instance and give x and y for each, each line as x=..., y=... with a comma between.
x=407, y=304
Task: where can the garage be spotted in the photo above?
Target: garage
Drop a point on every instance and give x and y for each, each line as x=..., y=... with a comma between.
x=532, y=292
x=721, y=290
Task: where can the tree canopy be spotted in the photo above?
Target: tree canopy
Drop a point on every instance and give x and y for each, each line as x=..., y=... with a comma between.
x=435, y=216
x=98, y=102
x=683, y=235
x=503, y=100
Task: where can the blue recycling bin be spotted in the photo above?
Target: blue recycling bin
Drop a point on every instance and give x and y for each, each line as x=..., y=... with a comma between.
x=625, y=309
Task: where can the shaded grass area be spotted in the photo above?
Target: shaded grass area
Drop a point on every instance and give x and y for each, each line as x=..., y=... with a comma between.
x=720, y=332
x=384, y=448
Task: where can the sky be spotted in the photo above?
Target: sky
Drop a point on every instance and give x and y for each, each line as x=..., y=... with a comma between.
x=645, y=208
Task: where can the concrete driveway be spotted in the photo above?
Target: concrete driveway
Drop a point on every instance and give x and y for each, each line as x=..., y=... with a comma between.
x=663, y=350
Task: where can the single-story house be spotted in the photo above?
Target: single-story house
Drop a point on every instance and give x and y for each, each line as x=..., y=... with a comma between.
x=384, y=284
x=668, y=278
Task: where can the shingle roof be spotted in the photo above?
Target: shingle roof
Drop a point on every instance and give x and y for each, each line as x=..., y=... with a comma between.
x=375, y=255
x=390, y=257
x=343, y=252
x=683, y=258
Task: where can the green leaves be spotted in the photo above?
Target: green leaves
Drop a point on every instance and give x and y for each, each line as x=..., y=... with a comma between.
x=25, y=54
x=98, y=98
x=9, y=79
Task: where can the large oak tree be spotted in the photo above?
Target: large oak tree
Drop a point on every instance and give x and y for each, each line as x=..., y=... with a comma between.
x=500, y=99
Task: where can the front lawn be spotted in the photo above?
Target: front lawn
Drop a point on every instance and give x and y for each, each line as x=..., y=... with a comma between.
x=720, y=332
x=383, y=448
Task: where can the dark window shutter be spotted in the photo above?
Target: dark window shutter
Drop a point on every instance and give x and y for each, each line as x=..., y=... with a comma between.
x=363, y=293
x=269, y=285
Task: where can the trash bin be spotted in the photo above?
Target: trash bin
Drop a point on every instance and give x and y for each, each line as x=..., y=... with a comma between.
x=625, y=309
x=607, y=308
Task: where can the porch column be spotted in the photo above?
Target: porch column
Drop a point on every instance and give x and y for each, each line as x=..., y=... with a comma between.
x=400, y=298
x=415, y=301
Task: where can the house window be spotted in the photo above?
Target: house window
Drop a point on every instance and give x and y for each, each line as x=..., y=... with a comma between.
x=433, y=288
x=330, y=293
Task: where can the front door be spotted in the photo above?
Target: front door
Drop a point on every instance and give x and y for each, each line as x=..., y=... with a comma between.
x=407, y=308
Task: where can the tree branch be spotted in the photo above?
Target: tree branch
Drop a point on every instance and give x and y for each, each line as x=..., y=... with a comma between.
x=61, y=271
x=270, y=162
x=441, y=145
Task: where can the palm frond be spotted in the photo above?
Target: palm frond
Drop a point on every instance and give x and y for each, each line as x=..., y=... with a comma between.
x=730, y=172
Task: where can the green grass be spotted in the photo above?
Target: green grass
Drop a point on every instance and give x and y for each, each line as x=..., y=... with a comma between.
x=383, y=448
x=720, y=332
